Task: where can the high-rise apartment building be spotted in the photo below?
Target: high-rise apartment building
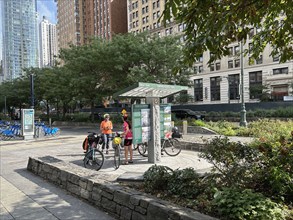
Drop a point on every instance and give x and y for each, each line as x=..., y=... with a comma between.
x=20, y=37
x=48, y=43
x=79, y=20
x=143, y=15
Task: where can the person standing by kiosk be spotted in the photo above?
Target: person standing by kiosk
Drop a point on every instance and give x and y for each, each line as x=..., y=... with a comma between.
x=106, y=128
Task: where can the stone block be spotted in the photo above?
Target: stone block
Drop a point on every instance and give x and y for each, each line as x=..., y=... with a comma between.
x=85, y=194
x=141, y=210
x=73, y=188
x=108, y=205
x=63, y=175
x=96, y=196
x=123, y=198
x=73, y=178
x=108, y=195
x=126, y=213
x=83, y=183
x=157, y=211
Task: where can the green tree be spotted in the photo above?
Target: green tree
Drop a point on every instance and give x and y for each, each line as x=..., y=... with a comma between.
x=214, y=24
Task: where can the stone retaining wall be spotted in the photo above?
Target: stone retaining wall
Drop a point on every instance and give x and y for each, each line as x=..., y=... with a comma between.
x=123, y=203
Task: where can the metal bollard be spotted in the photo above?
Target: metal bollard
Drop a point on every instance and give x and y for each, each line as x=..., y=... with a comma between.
x=184, y=127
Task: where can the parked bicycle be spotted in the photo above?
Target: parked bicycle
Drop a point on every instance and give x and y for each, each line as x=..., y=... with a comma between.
x=94, y=157
x=8, y=131
x=170, y=144
x=46, y=131
x=117, y=145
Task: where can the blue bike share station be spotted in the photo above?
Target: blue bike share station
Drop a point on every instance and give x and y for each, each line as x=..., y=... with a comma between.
x=150, y=121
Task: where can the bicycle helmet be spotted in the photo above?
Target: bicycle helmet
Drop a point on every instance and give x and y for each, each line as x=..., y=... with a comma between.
x=117, y=140
x=106, y=116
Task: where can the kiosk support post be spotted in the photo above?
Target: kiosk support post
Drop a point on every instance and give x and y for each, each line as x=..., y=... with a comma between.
x=154, y=148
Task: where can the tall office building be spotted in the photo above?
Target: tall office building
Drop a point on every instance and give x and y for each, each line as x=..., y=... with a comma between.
x=48, y=43
x=79, y=20
x=20, y=37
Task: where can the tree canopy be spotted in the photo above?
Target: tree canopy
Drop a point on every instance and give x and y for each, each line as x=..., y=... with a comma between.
x=94, y=72
x=214, y=24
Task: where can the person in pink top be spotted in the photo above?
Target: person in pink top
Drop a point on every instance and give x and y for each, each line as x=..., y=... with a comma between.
x=127, y=140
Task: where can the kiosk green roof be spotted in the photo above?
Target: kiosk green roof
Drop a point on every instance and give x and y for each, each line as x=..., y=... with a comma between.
x=143, y=90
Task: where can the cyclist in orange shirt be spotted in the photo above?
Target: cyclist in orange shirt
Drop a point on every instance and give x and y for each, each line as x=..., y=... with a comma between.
x=106, y=128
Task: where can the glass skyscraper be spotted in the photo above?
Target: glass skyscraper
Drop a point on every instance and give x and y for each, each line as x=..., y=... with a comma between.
x=20, y=37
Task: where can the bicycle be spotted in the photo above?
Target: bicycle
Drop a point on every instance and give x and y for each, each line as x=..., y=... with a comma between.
x=170, y=144
x=48, y=131
x=117, y=141
x=94, y=158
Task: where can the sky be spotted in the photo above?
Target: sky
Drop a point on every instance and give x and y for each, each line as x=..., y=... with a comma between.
x=46, y=8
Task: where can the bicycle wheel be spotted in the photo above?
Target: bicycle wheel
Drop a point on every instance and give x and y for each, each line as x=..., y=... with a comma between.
x=143, y=149
x=134, y=146
x=117, y=152
x=172, y=147
x=94, y=159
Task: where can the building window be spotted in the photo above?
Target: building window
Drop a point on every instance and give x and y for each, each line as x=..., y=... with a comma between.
x=255, y=85
x=180, y=28
x=279, y=92
x=154, y=5
x=280, y=71
x=237, y=63
x=215, y=88
x=143, y=10
x=218, y=66
x=276, y=58
x=236, y=50
x=212, y=67
x=230, y=64
x=250, y=47
x=259, y=60
x=233, y=87
x=198, y=90
x=230, y=49
x=200, y=69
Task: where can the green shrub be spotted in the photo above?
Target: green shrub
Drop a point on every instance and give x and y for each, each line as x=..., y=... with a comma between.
x=198, y=123
x=185, y=183
x=156, y=178
x=232, y=203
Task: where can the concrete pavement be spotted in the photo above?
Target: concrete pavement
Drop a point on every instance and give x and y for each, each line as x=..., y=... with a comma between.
x=26, y=196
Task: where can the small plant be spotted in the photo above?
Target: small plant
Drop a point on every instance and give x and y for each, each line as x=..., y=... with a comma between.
x=156, y=178
x=232, y=203
x=185, y=183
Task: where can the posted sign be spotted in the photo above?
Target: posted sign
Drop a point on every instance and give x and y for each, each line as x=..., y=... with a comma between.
x=141, y=122
x=27, y=122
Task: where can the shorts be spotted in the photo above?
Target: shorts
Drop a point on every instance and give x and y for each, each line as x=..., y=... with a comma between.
x=127, y=142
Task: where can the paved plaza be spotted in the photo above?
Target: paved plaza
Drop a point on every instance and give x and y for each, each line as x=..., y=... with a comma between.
x=26, y=196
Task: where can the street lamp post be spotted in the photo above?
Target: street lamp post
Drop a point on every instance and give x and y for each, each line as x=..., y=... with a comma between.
x=243, y=121
x=5, y=106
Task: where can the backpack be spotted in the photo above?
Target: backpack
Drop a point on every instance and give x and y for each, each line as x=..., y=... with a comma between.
x=85, y=144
